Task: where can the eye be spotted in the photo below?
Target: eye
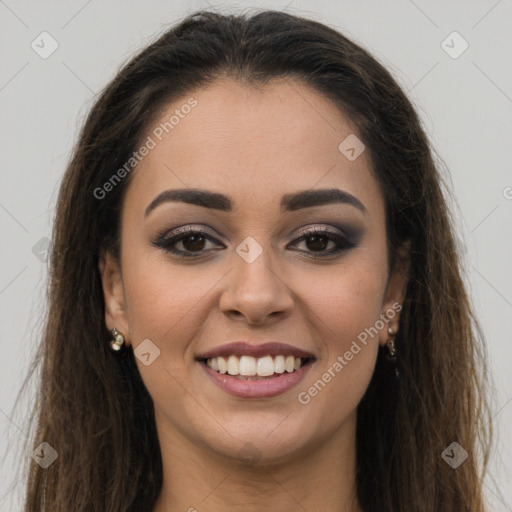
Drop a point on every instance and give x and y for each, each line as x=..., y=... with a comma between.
x=317, y=239
x=193, y=241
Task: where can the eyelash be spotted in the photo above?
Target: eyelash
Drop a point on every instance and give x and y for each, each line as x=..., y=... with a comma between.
x=167, y=243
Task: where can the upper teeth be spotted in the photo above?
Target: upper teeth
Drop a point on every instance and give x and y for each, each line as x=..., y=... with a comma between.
x=248, y=365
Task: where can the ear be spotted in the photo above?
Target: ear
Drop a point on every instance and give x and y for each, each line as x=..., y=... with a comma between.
x=113, y=293
x=395, y=292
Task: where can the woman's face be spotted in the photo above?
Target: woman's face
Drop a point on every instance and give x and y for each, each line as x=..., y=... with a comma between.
x=253, y=277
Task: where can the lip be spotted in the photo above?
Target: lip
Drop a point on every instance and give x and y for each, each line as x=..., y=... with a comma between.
x=267, y=388
x=243, y=348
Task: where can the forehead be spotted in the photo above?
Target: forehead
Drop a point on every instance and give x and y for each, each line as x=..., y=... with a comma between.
x=255, y=144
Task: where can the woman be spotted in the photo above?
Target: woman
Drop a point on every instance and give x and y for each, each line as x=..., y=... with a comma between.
x=255, y=299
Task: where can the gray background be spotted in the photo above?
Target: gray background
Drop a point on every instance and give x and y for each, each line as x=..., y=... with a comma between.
x=465, y=104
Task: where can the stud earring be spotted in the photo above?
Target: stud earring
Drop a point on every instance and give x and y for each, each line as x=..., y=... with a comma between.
x=118, y=341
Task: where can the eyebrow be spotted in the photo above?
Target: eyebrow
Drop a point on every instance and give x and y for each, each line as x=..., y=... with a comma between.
x=289, y=202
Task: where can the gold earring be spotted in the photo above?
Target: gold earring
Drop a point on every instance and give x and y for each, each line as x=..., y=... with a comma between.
x=118, y=342
x=391, y=355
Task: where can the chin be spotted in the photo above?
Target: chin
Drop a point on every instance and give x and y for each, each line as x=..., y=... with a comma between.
x=262, y=442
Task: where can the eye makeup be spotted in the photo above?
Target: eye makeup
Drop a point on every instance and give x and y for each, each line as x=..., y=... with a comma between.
x=194, y=238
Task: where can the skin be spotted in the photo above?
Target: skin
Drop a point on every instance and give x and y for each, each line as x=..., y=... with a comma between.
x=255, y=146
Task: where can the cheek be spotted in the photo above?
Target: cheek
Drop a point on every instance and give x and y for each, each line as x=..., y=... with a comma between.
x=166, y=305
x=163, y=300
x=344, y=306
x=346, y=300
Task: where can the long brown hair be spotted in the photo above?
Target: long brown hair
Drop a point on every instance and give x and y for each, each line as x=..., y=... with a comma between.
x=92, y=406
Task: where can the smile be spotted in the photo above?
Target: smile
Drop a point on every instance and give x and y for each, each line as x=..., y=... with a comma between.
x=265, y=383
x=255, y=369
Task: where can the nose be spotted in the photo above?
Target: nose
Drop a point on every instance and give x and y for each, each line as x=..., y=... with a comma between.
x=256, y=291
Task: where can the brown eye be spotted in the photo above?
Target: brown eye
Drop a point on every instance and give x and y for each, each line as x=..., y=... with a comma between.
x=192, y=240
x=317, y=240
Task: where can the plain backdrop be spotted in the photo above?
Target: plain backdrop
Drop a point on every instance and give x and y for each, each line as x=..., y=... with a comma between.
x=464, y=96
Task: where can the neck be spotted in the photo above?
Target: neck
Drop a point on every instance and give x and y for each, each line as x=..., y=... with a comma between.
x=320, y=477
